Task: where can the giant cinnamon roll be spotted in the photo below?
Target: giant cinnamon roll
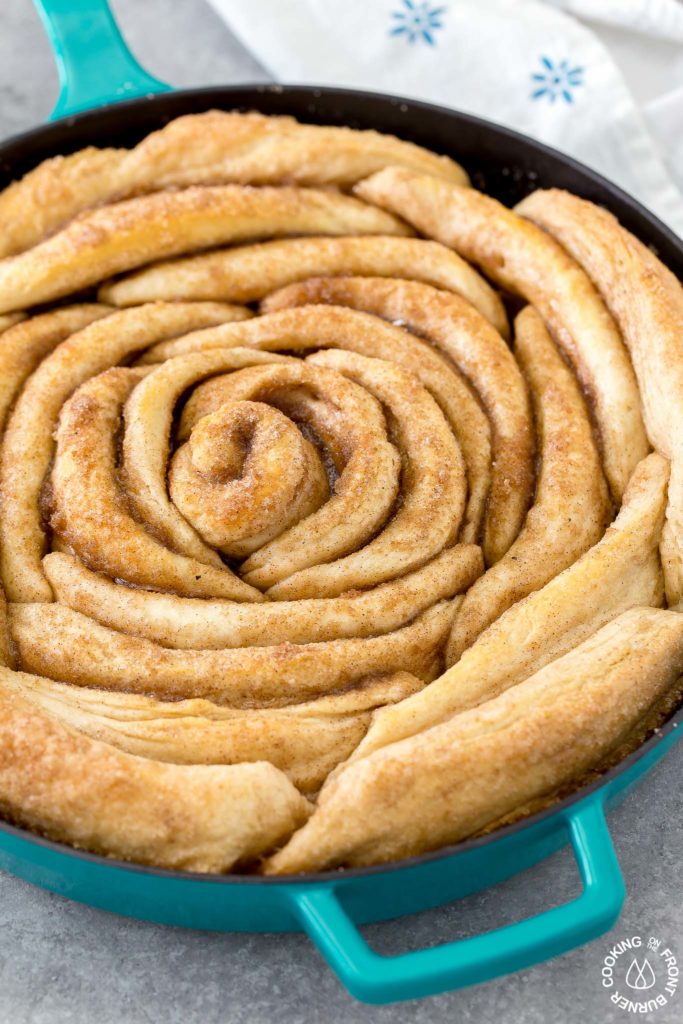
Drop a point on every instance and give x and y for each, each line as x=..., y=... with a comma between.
x=310, y=557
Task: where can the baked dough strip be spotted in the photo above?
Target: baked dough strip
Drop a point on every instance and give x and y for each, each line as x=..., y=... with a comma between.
x=249, y=273
x=196, y=623
x=646, y=300
x=622, y=570
x=78, y=790
x=128, y=234
x=148, y=419
x=212, y=148
x=91, y=513
x=458, y=778
x=527, y=261
x=244, y=476
x=25, y=345
x=301, y=328
x=27, y=445
x=433, y=487
x=350, y=422
x=452, y=326
x=62, y=644
x=571, y=507
x=305, y=741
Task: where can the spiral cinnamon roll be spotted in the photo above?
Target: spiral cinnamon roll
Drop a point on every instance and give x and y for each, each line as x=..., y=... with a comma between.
x=301, y=535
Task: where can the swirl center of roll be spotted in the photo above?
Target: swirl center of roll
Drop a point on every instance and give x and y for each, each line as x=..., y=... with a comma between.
x=245, y=474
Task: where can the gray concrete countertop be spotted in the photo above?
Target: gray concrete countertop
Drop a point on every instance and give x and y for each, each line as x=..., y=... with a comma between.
x=62, y=963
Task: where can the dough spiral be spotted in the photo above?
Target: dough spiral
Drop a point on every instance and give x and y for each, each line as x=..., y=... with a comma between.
x=296, y=504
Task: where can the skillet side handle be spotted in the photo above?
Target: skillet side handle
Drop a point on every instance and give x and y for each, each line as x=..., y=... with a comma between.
x=95, y=66
x=379, y=979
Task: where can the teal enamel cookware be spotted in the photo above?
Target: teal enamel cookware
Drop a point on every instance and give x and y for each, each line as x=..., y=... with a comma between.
x=108, y=99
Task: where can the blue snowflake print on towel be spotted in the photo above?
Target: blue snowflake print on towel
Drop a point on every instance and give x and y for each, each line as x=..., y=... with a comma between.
x=556, y=81
x=417, y=22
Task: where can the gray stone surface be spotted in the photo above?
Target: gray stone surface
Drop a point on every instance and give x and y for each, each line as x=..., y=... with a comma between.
x=61, y=963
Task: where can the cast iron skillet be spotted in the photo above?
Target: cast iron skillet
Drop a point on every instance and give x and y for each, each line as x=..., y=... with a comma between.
x=329, y=905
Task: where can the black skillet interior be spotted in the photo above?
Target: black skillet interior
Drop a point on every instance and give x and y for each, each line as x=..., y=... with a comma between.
x=500, y=162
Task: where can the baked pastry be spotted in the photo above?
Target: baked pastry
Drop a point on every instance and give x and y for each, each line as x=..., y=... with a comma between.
x=646, y=301
x=498, y=757
x=308, y=557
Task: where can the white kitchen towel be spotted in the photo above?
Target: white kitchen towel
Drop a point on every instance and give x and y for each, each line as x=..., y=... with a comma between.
x=522, y=63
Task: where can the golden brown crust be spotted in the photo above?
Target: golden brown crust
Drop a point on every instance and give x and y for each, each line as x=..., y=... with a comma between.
x=453, y=327
x=528, y=262
x=621, y=571
x=646, y=300
x=87, y=793
x=174, y=621
x=56, y=642
x=527, y=742
x=571, y=506
x=128, y=234
x=249, y=273
x=305, y=741
x=213, y=148
x=52, y=193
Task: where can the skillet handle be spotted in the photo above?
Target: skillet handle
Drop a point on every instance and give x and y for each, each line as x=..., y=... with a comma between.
x=95, y=66
x=379, y=979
